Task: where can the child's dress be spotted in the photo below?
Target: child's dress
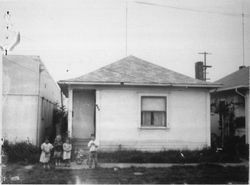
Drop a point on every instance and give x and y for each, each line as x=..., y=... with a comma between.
x=67, y=147
x=45, y=155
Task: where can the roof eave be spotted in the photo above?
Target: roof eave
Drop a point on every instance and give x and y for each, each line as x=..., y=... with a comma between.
x=231, y=88
x=141, y=84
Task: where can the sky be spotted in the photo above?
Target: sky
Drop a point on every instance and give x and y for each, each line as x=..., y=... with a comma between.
x=74, y=37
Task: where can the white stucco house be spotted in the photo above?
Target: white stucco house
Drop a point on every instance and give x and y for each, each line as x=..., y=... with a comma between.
x=134, y=104
x=29, y=97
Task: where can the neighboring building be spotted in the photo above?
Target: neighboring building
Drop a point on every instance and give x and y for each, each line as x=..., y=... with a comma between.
x=134, y=104
x=231, y=105
x=29, y=98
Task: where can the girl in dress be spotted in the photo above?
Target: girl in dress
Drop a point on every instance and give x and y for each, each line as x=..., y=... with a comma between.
x=45, y=155
x=58, y=150
x=67, y=147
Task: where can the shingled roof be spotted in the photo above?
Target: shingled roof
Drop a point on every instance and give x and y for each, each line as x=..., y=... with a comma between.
x=237, y=79
x=134, y=71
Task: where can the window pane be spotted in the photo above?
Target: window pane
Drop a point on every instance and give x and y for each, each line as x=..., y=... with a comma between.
x=159, y=118
x=146, y=118
x=153, y=104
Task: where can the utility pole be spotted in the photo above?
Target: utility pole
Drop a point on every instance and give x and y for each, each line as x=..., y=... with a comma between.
x=243, y=38
x=205, y=66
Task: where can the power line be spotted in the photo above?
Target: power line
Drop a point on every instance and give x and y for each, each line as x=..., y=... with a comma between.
x=190, y=9
x=126, y=27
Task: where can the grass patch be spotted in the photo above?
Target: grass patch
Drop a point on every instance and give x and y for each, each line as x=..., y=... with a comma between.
x=168, y=156
x=21, y=152
x=201, y=174
x=28, y=153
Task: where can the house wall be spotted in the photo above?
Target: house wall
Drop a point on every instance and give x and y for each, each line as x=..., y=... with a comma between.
x=22, y=107
x=20, y=118
x=20, y=99
x=49, y=89
x=45, y=119
x=20, y=75
x=118, y=120
x=49, y=99
x=241, y=109
x=247, y=113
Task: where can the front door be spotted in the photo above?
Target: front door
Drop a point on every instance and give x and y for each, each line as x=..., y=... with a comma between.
x=83, y=114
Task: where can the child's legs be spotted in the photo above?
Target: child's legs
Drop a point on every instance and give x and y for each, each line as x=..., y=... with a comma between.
x=90, y=159
x=45, y=165
x=57, y=156
x=95, y=158
x=67, y=162
x=48, y=164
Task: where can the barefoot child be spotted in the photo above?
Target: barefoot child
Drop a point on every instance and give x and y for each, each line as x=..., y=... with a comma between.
x=58, y=150
x=45, y=155
x=67, y=147
x=92, y=152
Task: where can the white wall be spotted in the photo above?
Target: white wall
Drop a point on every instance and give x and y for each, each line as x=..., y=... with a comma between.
x=118, y=121
x=49, y=88
x=20, y=118
x=20, y=75
x=23, y=114
x=20, y=105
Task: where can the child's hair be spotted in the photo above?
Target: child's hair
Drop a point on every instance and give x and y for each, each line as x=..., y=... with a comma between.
x=58, y=138
x=67, y=139
x=46, y=138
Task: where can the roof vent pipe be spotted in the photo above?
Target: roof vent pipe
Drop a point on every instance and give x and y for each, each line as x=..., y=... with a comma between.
x=242, y=67
x=199, y=73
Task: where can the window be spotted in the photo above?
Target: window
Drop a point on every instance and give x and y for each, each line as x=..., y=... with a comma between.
x=153, y=111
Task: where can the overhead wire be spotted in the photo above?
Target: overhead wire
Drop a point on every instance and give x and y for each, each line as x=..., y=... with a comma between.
x=191, y=9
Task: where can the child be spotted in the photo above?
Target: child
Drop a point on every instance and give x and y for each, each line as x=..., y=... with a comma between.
x=58, y=150
x=67, y=147
x=92, y=151
x=45, y=155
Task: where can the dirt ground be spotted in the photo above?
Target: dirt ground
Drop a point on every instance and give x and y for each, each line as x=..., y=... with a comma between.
x=201, y=174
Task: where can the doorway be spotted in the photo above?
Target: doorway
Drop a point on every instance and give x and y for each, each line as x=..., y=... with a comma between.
x=83, y=114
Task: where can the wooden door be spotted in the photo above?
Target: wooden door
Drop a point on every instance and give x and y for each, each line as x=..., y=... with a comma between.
x=83, y=114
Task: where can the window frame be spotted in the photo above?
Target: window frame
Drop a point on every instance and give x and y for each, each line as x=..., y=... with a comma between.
x=166, y=97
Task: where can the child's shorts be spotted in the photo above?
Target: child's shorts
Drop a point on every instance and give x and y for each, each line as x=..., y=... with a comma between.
x=57, y=154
